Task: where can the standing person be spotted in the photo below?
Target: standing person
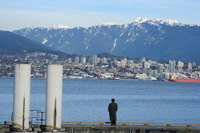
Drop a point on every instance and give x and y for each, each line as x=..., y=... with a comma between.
x=112, y=108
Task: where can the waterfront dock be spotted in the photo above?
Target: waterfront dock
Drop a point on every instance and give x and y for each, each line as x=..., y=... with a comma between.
x=120, y=127
x=128, y=127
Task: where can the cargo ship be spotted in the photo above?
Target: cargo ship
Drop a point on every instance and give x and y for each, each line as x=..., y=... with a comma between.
x=174, y=79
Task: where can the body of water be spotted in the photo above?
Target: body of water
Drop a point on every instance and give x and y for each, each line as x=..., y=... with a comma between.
x=138, y=101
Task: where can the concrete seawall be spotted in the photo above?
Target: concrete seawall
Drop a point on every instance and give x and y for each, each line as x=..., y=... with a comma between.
x=121, y=127
x=77, y=130
x=68, y=130
x=129, y=127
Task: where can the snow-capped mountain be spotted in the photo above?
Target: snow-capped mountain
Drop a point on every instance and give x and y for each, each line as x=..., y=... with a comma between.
x=155, y=21
x=151, y=38
x=60, y=26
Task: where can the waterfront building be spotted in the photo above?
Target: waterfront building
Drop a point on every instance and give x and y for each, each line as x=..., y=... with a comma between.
x=144, y=70
x=165, y=75
x=123, y=62
x=172, y=65
x=142, y=76
x=76, y=60
x=130, y=61
x=153, y=73
x=115, y=62
x=196, y=74
x=189, y=65
x=94, y=59
x=69, y=60
x=180, y=64
x=118, y=63
x=83, y=60
x=160, y=68
x=194, y=64
x=142, y=59
x=146, y=66
x=103, y=60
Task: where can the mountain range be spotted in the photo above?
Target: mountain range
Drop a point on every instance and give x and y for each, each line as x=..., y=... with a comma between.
x=12, y=44
x=150, y=38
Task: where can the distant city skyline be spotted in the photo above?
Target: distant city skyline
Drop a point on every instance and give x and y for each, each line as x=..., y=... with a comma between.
x=36, y=13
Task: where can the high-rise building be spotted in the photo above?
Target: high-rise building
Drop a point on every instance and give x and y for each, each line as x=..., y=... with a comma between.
x=146, y=65
x=189, y=65
x=90, y=61
x=160, y=68
x=194, y=64
x=165, y=75
x=83, y=60
x=142, y=59
x=172, y=66
x=69, y=60
x=118, y=63
x=123, y=62
x=94, y=59
x=104, y=60
x=77, y=59
x=180, y=64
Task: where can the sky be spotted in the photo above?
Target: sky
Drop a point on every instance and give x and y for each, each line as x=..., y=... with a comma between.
x=18, y=14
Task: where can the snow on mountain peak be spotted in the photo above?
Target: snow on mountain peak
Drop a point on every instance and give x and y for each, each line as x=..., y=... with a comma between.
x=140, y=20
x=109, y=24
x=155, y=21
x=60, y=26
x=170, y=22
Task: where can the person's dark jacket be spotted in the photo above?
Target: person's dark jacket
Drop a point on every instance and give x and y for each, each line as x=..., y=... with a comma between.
x=112, y=108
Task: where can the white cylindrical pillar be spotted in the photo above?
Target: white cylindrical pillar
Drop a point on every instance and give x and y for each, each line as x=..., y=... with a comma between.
x=21, y=98
x=54, y=97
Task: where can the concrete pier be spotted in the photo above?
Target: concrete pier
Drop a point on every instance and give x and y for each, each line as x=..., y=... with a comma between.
x=130, y=127
x=121, y=127
x=126, y=131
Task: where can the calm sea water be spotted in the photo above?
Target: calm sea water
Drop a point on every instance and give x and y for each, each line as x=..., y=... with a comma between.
x=138, y=101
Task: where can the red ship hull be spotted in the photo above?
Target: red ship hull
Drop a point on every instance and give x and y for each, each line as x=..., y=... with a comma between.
x=184, y=80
